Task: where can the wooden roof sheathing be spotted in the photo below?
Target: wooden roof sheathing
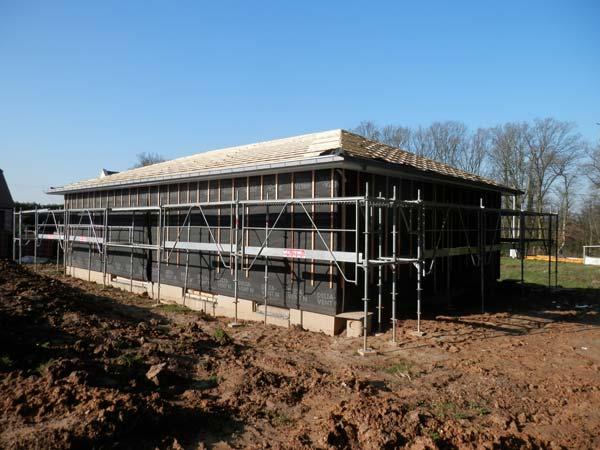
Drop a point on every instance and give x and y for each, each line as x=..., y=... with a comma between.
x=293, y=150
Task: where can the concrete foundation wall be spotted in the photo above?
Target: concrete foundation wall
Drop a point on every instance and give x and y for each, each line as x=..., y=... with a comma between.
x=220, y=305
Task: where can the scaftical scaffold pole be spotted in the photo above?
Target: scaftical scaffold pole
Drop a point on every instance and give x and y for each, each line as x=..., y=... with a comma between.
x=482, y=229
x=20, y=236
x=35, y=240
x=14, y=235
x=159, y=238
x=266, y=293
x=131, y=241
x=236, y=263
x=549, y=248
x=394, y=267
x=522, y=249
x=556, y=253
x=420, y=260
x=380, y=267
x=365, y=266
x=105, y=247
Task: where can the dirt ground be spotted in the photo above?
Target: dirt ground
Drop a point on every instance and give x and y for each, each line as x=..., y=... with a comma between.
x=75, y=357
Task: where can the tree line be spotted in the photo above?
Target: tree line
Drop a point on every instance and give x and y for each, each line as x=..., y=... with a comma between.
x=548, y=159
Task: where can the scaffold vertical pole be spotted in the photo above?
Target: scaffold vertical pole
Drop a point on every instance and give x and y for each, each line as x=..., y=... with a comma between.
x=522, y=248
x=14, y=235
x=57, y=240
x=187, y=257
x=159, y=242
x=556, y=253
x=105, y=247
x=35, y=239
x=131, y=241
x=20, y=235
x=380, y=267
x=482, y=230
x=266, y=293
x=236, y=263
x=419, y=259
x=394, y=266
x=365, y=267
x=549, y=247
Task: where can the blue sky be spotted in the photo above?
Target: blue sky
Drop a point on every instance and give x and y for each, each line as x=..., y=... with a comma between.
x=86, y=85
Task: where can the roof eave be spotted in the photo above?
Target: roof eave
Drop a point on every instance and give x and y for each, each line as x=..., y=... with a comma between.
x=417, y=174
x=329, y=159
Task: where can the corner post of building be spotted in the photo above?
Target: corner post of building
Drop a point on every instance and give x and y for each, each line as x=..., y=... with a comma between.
x=394, y=265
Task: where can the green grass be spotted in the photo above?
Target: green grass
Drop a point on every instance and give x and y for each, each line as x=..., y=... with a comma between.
x=41, y=368
x=174, y=308
x=400, y=368
x=570, y=275
x=451, y=410
x=130, y=360
x=221, y=337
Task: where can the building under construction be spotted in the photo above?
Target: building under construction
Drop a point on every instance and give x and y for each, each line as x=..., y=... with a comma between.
x=326, y=230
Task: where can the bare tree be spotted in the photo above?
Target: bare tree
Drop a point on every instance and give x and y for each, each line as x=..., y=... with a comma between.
x=476, y=152
x=554, y=149
x=508, y=155
x=396, y=136
x=421, y=142
x=368, y=129
x=592, y=168
x=449, y=141
x=147, y=159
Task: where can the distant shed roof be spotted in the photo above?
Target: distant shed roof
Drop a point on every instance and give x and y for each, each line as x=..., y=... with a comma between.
x=6, y=200
x=327, y=146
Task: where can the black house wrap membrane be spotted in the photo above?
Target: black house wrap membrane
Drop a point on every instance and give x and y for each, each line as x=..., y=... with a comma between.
x=301, y=284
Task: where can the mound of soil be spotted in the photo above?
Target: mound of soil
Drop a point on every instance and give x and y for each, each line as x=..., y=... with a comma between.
x=86, y=366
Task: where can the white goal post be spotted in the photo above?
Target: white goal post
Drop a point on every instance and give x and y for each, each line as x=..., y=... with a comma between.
x=591, y=257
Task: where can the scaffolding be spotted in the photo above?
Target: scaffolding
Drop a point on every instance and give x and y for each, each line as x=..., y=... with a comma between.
x=426, y=240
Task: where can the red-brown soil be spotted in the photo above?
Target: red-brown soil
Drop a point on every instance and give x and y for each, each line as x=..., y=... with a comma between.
x=74, y=358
